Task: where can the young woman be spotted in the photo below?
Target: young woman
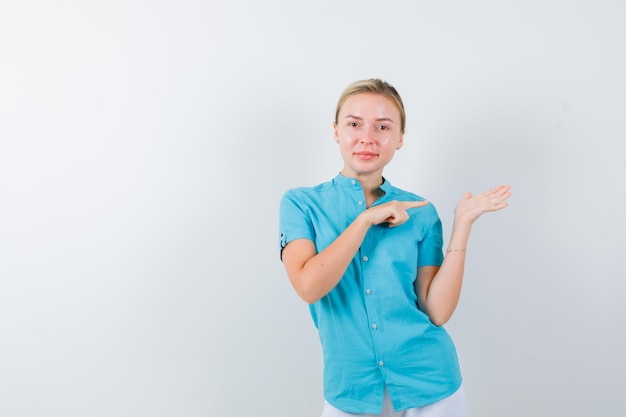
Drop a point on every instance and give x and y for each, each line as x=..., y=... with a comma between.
x=368, y=259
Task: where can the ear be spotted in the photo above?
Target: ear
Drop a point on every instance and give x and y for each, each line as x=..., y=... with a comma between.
x=336, y=132
x=400, y=142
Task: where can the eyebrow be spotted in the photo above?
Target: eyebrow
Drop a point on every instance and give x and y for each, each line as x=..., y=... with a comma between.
x=382, y=119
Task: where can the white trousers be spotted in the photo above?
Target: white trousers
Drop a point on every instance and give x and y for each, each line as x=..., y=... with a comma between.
x=452, y=406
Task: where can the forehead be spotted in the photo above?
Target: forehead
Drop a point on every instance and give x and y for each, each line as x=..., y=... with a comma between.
x=363, y=104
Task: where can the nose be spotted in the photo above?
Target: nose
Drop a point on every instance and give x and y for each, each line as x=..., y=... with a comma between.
x=367, y=136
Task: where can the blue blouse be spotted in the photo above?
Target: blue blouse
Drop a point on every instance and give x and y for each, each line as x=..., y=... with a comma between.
x=372, y=333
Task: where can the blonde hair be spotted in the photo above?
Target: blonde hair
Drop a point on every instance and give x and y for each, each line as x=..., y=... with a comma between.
x=376, y=86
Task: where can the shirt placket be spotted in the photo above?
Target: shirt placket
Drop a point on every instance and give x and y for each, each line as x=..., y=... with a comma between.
x=372, y=300
x=370, y=289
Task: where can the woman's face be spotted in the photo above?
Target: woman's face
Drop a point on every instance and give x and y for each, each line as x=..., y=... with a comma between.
x=368, y=133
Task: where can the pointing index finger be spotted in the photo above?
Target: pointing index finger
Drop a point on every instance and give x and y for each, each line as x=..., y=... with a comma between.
x=414, y=204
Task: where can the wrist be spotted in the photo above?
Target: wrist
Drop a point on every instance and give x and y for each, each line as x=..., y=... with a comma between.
x=364, y=219
x=463, y=218
x=462, y=224
x=460, y=250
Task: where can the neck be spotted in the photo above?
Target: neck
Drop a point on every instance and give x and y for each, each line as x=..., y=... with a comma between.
x=370, y=185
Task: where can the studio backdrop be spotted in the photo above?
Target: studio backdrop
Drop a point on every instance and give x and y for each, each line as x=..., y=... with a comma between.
x=145, y=145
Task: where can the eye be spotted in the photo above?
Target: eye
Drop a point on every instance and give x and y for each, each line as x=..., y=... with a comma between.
x=383, y=127
x=353, y=124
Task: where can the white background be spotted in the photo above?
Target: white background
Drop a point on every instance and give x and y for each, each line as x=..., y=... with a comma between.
x=145, y=146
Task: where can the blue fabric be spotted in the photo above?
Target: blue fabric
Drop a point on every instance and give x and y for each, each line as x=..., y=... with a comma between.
x=370, y=328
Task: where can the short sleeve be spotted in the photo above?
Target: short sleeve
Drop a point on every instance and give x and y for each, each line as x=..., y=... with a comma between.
x=294, y=220
x=430, y=251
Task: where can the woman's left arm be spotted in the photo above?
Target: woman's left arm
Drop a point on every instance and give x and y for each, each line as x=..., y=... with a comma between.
x=439, y=288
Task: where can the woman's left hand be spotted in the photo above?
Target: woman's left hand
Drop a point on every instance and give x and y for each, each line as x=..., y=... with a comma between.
x=471, y=207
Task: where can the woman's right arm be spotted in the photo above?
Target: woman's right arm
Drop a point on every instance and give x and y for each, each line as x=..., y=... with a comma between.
x=313, y=275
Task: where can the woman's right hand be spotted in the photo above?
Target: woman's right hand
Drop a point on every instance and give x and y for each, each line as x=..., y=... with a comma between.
x=393, y=213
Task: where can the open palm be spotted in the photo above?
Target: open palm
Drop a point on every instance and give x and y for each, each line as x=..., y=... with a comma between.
x=471, y=207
